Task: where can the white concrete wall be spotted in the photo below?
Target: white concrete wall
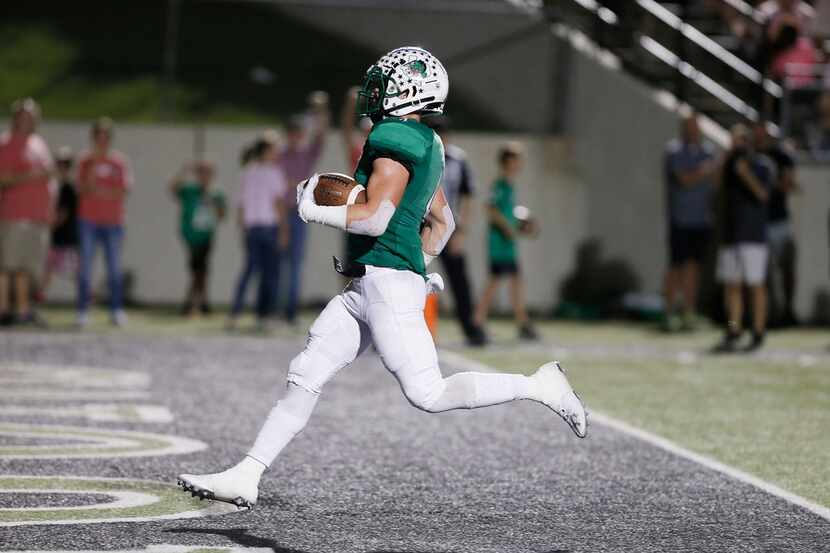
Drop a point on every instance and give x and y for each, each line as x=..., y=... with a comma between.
x=619, y=134
x=810, y=226
x=154, y=252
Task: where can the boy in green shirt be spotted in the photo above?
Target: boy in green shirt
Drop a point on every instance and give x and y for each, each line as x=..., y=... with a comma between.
x=501, y=239
x=202, y=208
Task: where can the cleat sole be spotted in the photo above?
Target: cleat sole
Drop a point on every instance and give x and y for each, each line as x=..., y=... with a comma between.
x=201, y=493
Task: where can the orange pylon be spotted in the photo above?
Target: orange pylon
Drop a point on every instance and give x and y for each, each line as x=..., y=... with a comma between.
x=431, y=314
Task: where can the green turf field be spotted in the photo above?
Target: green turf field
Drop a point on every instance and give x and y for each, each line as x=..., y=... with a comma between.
x=767, y=414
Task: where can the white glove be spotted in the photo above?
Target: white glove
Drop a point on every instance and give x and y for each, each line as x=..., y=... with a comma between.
x=310, y=212
x=435, y=283
x=305, y=194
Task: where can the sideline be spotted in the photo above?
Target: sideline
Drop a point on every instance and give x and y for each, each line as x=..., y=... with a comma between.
x=459, y=361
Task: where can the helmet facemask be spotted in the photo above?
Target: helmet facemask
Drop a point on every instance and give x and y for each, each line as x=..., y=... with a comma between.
x=375, y=90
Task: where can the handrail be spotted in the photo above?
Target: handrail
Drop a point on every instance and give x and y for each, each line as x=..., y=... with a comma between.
x=699, y=38
x=698, y=77
x=746, y=9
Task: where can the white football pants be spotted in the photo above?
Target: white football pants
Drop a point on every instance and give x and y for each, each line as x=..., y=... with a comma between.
x=384, y=308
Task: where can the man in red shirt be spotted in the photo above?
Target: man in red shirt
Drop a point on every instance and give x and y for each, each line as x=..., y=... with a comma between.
x=26, y=199
x=104, y=179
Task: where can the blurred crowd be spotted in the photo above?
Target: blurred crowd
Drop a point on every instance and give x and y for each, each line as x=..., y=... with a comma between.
x=789, y=42
x=57, y=208
x=736, y=204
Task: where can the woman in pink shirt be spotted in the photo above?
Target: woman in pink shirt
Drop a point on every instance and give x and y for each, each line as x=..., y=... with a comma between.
x=104, y=179
x=262, y=216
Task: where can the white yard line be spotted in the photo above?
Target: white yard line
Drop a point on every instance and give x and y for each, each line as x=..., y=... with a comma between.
x=459, y=361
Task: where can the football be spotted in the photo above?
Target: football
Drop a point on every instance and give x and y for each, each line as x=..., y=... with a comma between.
x=338, y=189
x=528, y=226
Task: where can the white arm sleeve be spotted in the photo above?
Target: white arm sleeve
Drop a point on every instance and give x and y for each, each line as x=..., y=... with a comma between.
x=376, y=223
x=439, y=241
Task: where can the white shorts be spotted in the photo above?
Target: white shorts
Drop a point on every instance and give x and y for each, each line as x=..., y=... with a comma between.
x=384, y=308
x=743, y=263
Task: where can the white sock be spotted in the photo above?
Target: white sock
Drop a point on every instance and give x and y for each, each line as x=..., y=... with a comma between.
x=287, y=419
x=470, y=390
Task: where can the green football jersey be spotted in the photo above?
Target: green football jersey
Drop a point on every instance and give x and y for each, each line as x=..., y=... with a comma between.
x=420, y=150
x=502, y=248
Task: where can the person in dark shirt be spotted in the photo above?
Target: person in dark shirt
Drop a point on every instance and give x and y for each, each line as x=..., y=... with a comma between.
x=459, y=186
x=689, y=167
x=63, y=254
x=743, y=255
x=782, y=249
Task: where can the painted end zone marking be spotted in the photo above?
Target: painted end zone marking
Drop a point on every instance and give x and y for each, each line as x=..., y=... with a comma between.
x=97, y=443
x=163, y=548
x=459, y=361
x=136, y=501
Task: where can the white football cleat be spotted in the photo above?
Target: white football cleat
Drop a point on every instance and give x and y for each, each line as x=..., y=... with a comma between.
x=235, y=486
x=554, y=391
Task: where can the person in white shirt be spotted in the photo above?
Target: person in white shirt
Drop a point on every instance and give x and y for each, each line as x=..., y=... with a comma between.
x=261, y=214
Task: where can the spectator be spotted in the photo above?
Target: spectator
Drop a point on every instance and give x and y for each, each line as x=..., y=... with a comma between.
x=504, y=229
x=742, y=259
x=688, y=171
x=63, y=256
x=459, y=187
x=782, y=248
x=785, y=41
x=298, y=158
x=104, y=180
x=261, y=213
x=202, y=208
x=25, y=211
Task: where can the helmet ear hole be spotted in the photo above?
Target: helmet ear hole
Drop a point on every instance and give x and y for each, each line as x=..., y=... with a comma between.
x=404, y=95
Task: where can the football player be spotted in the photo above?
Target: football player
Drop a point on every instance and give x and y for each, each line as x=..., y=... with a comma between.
x=404, y=224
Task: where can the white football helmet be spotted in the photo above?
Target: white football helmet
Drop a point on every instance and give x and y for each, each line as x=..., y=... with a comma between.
x=404, y=81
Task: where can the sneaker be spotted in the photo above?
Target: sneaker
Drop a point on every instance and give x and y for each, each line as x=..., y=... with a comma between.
x=119, y=318
x=30, y=319
x=553, y=390
x=671, y=323
x=231, y=323
x=238, y=485
x=756, y=343
x=477, y=338
x=689, y=322
x=729, y=343
x=527, y=332
x=82, y=320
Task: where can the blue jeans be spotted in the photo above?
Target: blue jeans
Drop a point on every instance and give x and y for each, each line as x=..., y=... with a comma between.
x=110, y=237
x=295, y=255
x=261, y=256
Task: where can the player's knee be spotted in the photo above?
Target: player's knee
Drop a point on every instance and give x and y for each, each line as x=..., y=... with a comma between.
x=309, y=371
x=425, y=397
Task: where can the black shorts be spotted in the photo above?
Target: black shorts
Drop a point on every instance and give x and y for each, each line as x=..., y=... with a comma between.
x=688, y=245
x=501, y=268
x=199, y=256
